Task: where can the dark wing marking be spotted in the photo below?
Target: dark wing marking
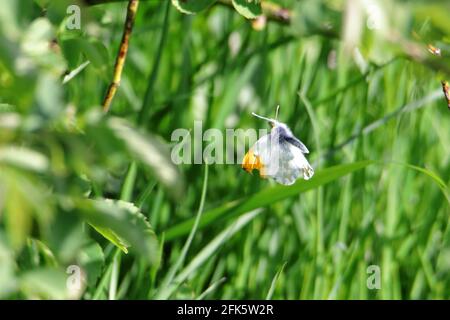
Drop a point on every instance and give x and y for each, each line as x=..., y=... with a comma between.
x=294, y=141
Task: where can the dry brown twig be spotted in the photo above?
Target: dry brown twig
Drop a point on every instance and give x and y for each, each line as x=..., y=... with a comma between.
x=446, y=89
x=121, y=56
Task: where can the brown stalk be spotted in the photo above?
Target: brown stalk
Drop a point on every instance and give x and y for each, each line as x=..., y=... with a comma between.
x=446, y=89
x=122, y=54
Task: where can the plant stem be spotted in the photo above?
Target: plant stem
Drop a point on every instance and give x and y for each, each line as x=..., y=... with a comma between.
x=122, y=54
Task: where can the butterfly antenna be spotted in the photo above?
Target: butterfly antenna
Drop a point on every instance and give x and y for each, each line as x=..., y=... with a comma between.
x=276, y=112
x=261, y=117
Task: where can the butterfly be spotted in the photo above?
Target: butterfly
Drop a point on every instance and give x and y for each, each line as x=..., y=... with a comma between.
x=433, y=50
x=278, y=155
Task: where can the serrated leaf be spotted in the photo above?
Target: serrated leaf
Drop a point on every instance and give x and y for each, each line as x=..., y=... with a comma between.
x=192, y=6
x=112, y=237
x=123, y=224
x=250, y=9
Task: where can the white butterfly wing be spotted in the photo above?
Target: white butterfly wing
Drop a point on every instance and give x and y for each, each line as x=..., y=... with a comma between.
x=300, y=162
x=282, y=161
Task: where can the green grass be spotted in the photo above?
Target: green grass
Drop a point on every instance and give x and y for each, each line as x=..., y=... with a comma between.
x=375, y=122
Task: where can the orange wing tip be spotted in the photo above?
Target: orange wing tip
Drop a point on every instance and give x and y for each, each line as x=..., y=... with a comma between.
x=251, y=162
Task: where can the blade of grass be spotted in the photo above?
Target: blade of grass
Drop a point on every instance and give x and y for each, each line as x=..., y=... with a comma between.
x=320, y=260
x=354, y=82
x=101, y=288
x=148, y=97
x=441, y=184
x=128, y=185
x=145, y=194
x=114, y=276
x=174, y=269
x=266, y=197
x=211, y=288
x=425, y=101
x=154, y=269
x=208, y=251
x=274, y=282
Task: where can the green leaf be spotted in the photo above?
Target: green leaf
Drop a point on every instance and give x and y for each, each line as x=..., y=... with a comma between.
x=192, y=6
x=9, y=19
x=35, y=45
x=67, y=236
x=44, y=283
x=42, y=3
x=250, y=9
x=25, y=198
x=71, y=49
x=23, y=158
x=44, y=251
x=123, y=224
x=18, y=219
x=49, y=96
x=7, y=265
x=73, y=45
x=112, y=237
x=434, y=13
x=266, y=197
x=153, y=153
x=97, y=53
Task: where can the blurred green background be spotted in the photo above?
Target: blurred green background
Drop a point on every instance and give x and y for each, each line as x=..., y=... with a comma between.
x=98, y=192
